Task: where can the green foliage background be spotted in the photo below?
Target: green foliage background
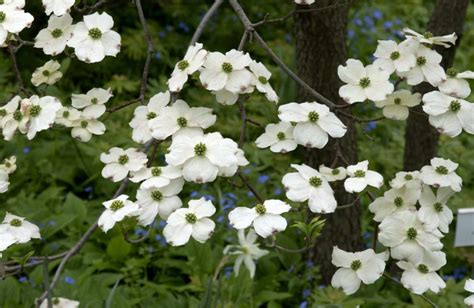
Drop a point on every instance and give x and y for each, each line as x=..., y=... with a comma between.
x=59, y=187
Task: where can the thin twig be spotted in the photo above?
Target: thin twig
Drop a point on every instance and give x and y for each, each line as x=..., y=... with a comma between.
x=205, y=19
x=19, y=79
x=250, y=187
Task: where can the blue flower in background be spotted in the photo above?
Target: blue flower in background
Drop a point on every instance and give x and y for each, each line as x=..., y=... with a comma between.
x=358, y=22
x=369, y=21
x=304, y=304
x=351, y=33
x=388, y=24
x=158, y=55
x=306, y=293
x=209, y=197
x=228, y=271
x=195, y=194
x=370, y=126
x=277, y=191
x=246, y=170
x=23, y=279
x=309, y=264
x=250, y=194
x=69, y=280
x=160, y=239
x=88, y=189
x=231, y=195
x=183, y=26
x=220, y=219
x=26, y=150
x=377, y=15
x=162, y=34
x=262, y=179
x=140, y=232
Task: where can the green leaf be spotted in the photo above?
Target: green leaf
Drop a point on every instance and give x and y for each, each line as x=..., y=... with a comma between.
x=118, y=248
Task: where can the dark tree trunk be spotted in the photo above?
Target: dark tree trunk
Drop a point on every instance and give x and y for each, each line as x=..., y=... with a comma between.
x=421, y=139
x=320, y=49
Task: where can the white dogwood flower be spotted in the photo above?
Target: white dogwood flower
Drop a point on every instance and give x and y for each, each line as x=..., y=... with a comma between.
x=227, y=98
x=53, y=39
x=279, y=137
x=93, y=38
x=430, y=39
x=406, y=179
x=395, y=57
x=441, y=173
x=60, y=302
x=48, y=73
x=202, y=155
x=408, y=237
x=427, y=68
x=261, y=77
x=231, y=170
x=305, y=2
x=449, y=114
x=66, y=116
x=396, y=105
x=144, y=114
x=247, y=251
x=227, y=71
x=421, y=276
x=156, y=176
x=192, y=61
x=16, y=117
x=13, y=20
x=356, y=267
x=6, y=240
x=42, y=113
x=363, y=83
x=469, y=287
x=358, y=177
x=17, y=4
x=309, y=184
x=333, y=174
x=57, y=7
x=93, y=102
x=21, y=230
x=456, y=83
x=393, y=201
x=266, y=218
x=84, y=128
x=434, y=212
x=180, y=118
x=9, y=165
x=120, y=162
x=116, y=210
x=192, y=221
x=314, y=122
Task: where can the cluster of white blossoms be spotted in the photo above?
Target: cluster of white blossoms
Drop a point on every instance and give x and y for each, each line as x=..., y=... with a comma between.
x=6, y=168
x=13, y=19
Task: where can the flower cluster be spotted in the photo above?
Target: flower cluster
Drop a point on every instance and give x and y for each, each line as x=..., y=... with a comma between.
x=7, y=168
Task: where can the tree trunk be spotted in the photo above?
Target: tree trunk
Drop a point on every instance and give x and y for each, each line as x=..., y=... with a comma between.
x=421, y=139
x=320, y=49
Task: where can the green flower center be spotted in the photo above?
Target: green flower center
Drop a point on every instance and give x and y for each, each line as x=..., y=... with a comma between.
x=313, y=116
x=94, y=101
x=17, y=115
x=356, y=264
x=420, y=61
x=398, y=201
x=156, y=195
x=227, y=67
x=408, y=177
x=455, y=106
x=359, y=174
x=200, y=149
x=422, y=268
x=451, y=72
x=364, y=82
x=395, y=55
x=56, y=33
x=442, y=170
x=156, y=171
x=428, y=34
x=315, y=181
x=117, y=205
x=260, y=209
x=123, y=159
x=66, y=114
x=84, y=124
x=438, y=207
x=35, y=110
x=95, y=33
x=3, y=112
x=335, y=171
x=46, y=73
x=15, y=222
x=182, y=121
x=412, y=233
x=281, y=136
x=55, y=301
x=182, y=65
x=191, y=218
x=397, y=100
x=2, y=16
x=263, y=80
x=150, y=115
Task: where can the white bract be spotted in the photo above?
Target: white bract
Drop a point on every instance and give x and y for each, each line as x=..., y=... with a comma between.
x=441, y=173
x=314, y=122
x=333, y=174
x=67, y=116
x=406, y=179
x=6, y=240
x=358, y=177
x=120, y=162
x=83, y=129
x=408, y=237
x=469, y=287
x=48, y=73
x=449, y=114
x=92, y=103
x=456, y=83
x=192, y=61
x=227, y=71
x=266, y=218
x=356, y=267
x=143, y=115
x=396, y=105
x=427, y=68
x=21, y=230
x=393, y=201
x=54, y=38
x=363, y=83
x=60, y=302
x=116, y=210
x=261, y=77
x=393, y=57
x=430, y=39
x=305, y=2
x=279, y=137
x=4, y=181
x=93, y=38
x=179, y=118
x=421, y=276
x=12, y=20
x=156, y=176
x=42, y=113
x=309, y=185
x=434, y=212
x=16, y=117
x=202, y=155
x=57, y=7
x=192, y=221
